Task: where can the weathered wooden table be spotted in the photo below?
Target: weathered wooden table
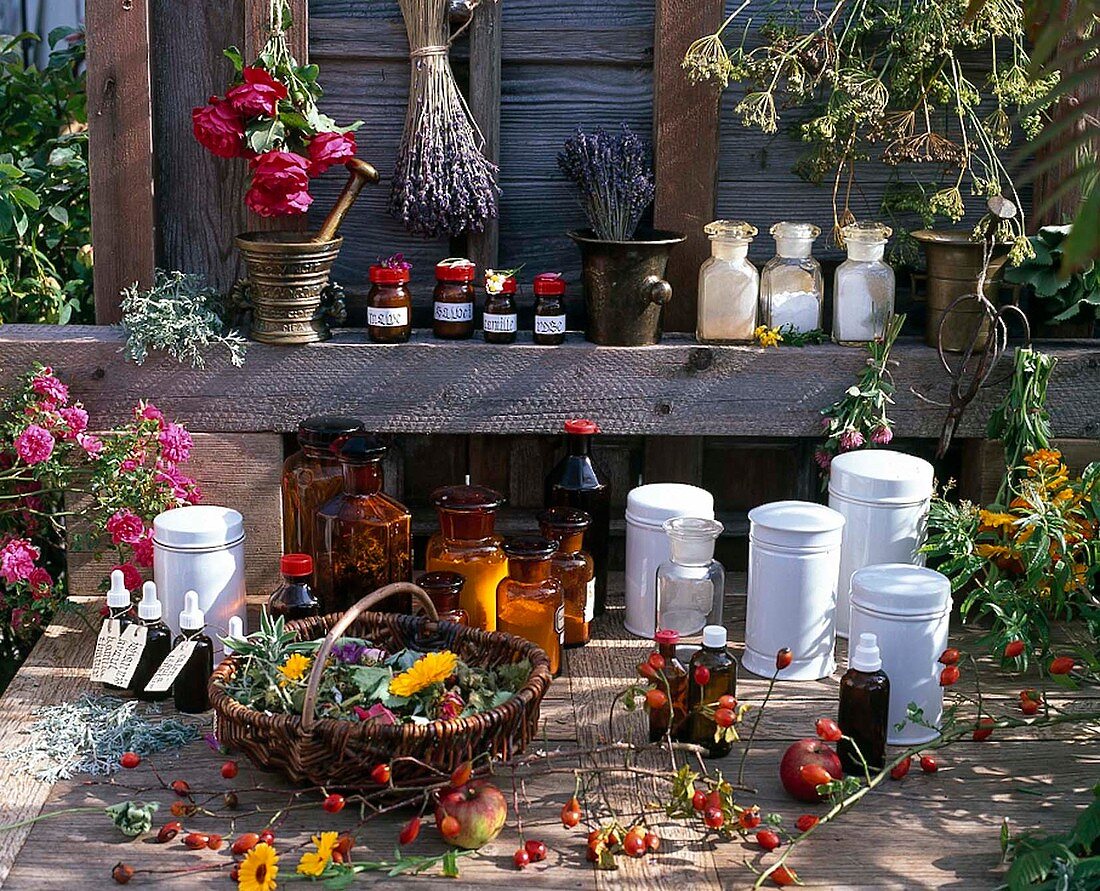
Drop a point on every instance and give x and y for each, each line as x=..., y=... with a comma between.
x=928, y=831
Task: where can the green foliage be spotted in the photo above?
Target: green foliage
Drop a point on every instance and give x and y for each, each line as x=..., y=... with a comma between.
x=45, y=220
x=1021, y=421
x=1067, y=861
x=1061, y=296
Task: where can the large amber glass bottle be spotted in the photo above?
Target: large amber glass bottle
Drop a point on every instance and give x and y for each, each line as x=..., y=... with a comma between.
x=311, y=476
x=530, y=602
x=572, y=567
x=362, y=535
x=466, y=544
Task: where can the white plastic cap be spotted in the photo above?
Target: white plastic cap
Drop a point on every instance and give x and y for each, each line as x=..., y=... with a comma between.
x=119, y=595
x=714, y=636
x=191, y=617
x=236, y=631
x=866, y=656
x=149, y=608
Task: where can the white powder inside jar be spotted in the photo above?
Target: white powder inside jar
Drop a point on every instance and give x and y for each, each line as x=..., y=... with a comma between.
x=799, y=309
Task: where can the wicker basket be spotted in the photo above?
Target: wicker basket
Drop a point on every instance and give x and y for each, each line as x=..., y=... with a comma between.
x=341, y=754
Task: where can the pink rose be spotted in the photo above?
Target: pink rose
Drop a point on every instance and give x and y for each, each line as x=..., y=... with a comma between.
x=41, y=582
x=280, y=185
x=175, y=443
x=451, y=705
x=326, y=149
x=76, y=419
x=377, y=714
x=92, y=445
x=17, y=559
x=882, y=435
x=143, y=550
x=131, y=575
x=218, y=128
x=125, y=527
x=49, y=387
x=146, y=411
x=182, y=486
x=34, y=445
x=258, y=95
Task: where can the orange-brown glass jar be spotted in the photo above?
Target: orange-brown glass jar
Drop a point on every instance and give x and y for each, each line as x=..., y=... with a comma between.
x=389, y=305
x=530, y=602
x=453, y=299
x=572, y=567
x=549, y=288
x=444, y=589
x=499, y=321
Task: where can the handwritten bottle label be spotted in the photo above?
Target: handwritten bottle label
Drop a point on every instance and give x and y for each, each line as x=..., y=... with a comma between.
x=550, y=324
x=106, y=641
x=453, y=312
x=590, y=600
x=499, y=323
x=171, y=667
x=127, y=654
x=388, y=316
x=559, y=622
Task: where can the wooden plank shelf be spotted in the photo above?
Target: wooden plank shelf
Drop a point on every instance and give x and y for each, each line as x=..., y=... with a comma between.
x=676, y=388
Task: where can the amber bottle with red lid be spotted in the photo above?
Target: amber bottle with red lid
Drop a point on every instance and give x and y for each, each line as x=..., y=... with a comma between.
x=388, y=316
x=573, y=567
x=294, y=599
x=577, y=481
x=671, y=719
x=362, y=535
x=445, y=590
x=549, y=288
x=530, y=601
x=499, y=321
x=453, y=299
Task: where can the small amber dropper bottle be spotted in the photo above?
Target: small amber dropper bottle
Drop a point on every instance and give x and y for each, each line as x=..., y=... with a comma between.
x=158, y=644
x=189, y=688
x=864, y=709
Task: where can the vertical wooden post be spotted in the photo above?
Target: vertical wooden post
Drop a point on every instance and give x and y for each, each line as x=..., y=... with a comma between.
x=120, y=150
x=685, y=128
x=485, y=40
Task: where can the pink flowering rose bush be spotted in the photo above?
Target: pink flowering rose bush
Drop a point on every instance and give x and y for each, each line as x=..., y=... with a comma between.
x=116, y=481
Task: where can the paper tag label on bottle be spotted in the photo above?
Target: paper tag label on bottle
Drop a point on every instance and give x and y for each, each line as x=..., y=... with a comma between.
x=550, y=324
x=499, y=323
x=171, y=667
x=105, y=643
x=590, y=600
x=126, y=655
x=559, y=622
x=388, y=316
x=453, y=312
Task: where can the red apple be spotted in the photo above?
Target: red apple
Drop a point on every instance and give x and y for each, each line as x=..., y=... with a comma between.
x=480, y=809
x=807, y=751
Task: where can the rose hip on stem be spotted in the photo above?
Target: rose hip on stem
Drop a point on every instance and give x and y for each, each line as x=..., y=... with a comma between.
x=536, y=849
x=1061, y=665
x=767, y=839
x=409, y=832
x=828, y=729
x=1014, y=648
x=806, y=822
x=333, y=803
x=949, y=676
x=984, y=730
x=899, y=770
x=950, y=656
x=783, y=658
x=521, y=858
x=929, y=764
x=129, y=760
x=122, y=873
x=462, y=773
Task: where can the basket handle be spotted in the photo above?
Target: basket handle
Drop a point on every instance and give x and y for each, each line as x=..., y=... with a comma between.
x=342, y=625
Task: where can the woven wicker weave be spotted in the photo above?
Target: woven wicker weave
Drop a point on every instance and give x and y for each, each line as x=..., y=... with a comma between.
x=341, y=754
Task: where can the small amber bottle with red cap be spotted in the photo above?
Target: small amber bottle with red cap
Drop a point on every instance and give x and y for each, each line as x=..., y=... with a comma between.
x=499, y=321
x=530, y=601
x=453, y=299
x=669, y=720
x=445, y=589
x=294, y=599
x=389, y=305
x=549, y=288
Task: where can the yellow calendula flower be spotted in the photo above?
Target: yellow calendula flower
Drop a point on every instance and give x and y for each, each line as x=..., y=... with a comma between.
x=259, y=869
x=294, y=668
x=991, y=520
x=432, y=668
x=990, y=551
x=313, y=863
x=767, y=337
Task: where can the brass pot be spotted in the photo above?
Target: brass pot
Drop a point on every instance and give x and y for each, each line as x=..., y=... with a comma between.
x=624, y=286
x=954, y=261
x=287, y=285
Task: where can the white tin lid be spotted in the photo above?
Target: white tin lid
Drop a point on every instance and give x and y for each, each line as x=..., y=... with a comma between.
x=795, y=524
x=654, y=503
x=197, y=527
x=901, y=589
x=881, y=476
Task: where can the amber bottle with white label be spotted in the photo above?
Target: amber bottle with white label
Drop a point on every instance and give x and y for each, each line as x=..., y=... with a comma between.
x=453, y=299
x=189, y=687
x=549, y=290
x=530, y=601
x=389, y=305
x=499, y=321
x=573, y=567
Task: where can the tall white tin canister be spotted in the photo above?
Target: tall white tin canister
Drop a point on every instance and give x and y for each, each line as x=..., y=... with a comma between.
x=908, y=608
x=200, y=548
x=883, y=497
x=794, y=553
x=647, y=508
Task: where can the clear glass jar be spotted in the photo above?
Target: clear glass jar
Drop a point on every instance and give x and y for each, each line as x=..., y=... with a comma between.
x=691, y=585
x=453, y=299
x=311, y=477
x=467, y=544
x=863, y=292
x=362, y=535
x=572, y=567
x=791, y=287
x=530, y=603
x=729, y=285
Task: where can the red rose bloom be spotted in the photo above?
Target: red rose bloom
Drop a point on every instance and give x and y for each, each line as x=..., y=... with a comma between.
x=258, y=95
x=326, y=149
x=218, y=128
x=280, y=185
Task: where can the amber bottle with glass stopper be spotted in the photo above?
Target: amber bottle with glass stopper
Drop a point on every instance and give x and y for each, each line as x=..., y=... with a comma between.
x=670, y=719
x=499, y=320
x=530, y=602
x=189, y=687
x=158, y=644
x=864, y=709
x=573, y=567
x=445, y=589
x=711, y=674
x=294, y=599
x=467, y=544
x=577, y=481
x=362, y=535
x=311, y=476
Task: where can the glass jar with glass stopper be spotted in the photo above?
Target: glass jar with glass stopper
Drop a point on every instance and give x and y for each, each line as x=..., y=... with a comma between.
x=863, y=292
x=791, y=287
x=530, y=601
x=691, y=585
x=729, y=285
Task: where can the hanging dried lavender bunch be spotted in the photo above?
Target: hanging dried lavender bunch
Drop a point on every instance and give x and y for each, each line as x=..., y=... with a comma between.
x=615, y=177
x=442, y=184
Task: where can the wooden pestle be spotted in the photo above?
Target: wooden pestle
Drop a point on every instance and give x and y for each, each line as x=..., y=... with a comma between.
x=360, y=173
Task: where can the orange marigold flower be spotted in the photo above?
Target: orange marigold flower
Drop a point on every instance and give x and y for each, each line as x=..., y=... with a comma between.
x=1043, y=457
x=992, y=520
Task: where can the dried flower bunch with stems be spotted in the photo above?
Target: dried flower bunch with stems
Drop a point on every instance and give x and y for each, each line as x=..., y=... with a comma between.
x=894, y=82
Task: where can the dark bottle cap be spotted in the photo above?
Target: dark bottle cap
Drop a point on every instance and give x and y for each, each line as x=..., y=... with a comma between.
x=466, y=498
x=442, y=583
x=530, y=547
x=296, y=565
x=361, y=450
x=321, y=431
x=581, y=427
x=564, y=519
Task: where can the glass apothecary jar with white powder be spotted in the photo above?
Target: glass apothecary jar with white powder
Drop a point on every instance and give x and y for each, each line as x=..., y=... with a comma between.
x=863, y=295
x=729, y=285
x=791, y=287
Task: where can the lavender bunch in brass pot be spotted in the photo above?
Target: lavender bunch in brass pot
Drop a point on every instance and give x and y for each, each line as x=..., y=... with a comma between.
x=614, y=174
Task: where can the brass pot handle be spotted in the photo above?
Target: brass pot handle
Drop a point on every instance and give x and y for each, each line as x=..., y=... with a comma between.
x=418, y=593
x=657, y=290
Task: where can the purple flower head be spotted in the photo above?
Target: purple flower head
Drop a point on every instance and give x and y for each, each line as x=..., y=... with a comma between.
x=850, y=440
x=882, y=435
x=349, y=652
x=395, y=261
x=823, y=459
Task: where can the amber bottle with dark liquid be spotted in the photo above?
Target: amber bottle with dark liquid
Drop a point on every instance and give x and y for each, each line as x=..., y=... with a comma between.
x=576, y=481
x=189, y=688
x=158, y=644
x=711, y=674
x=864, y=712
x=294, y=599
x=670, y=719
x=445, y=589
